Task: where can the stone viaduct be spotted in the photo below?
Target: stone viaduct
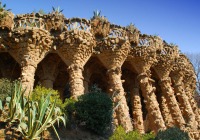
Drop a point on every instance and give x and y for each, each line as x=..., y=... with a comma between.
x=151, y=79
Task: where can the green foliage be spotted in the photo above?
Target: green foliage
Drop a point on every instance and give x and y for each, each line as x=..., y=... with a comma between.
x=3, y=7
x=42, y=12
x=95, y=110
x=120, y=134
x=131, y=27
x=30, y=118
x=97, y=15
x=40, y=91
x=57, y=10
x=3, y=11
x=173, y=133
x=148, y=136
x=41, y=115
x=6, y=87
x=70, y=109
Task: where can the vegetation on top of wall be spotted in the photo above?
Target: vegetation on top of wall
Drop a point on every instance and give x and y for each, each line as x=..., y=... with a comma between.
x=57, y=10
x=3, y=7
x=3, y=10
x=131, y=27
x=97, y=15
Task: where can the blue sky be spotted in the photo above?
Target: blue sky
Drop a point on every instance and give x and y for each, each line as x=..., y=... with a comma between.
x=176, y=21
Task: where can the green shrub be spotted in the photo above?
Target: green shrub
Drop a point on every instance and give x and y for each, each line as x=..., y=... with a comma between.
x=40, y=91
x=95, y=110
x=148, y=136
x=6, y=87
x=29, y=119
x=70, y=110
x=173, y=133
x=120, y=134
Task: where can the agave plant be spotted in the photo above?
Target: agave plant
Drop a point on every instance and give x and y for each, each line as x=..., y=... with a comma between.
x=96, y=13
x=3, y=7
x=13, y=109
x=41, y=116
x=57, y=10
x=29, y=118
x=131, y=27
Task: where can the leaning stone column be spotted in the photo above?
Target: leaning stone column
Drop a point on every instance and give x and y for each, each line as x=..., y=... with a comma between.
x=76, y=80
x=122, y=110
x=166, y=59
x=187, y=111
x=166, y=113
x=190, y=87
x=148, y=92
x=138, y=122
x=142, y=57
x=112, y=52
x=172, y=102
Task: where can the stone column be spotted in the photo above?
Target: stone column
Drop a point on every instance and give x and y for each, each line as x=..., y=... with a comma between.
x=189, y=92
x=122, y=116
x=151, y=101
x=187, y=111
x=76, y=80
x=27, y=77
x=165, y=84
x=137, y=110
x=166, y=113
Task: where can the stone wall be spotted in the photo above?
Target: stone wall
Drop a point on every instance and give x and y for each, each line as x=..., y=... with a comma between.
x=151, y=79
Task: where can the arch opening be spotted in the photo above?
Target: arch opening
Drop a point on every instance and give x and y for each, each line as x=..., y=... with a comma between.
x=52, y=73
x=9, y=68
x=95, y=74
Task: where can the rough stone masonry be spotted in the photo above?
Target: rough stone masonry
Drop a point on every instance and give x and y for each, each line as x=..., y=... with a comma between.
x=151, y=79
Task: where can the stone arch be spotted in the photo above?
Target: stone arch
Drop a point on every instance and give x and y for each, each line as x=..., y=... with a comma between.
x=52, y=73
x=9, y=67
x=95, y=73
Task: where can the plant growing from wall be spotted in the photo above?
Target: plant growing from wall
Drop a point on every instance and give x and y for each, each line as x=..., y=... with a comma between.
x=57, y=10
x=3, y=10
x=100, y=25
x=131, y=27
